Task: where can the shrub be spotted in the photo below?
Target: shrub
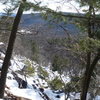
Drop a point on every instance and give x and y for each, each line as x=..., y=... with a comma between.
x=56, y=84
x=35, y=50
x=43, y=73
x=59, y=63
x=29, y=69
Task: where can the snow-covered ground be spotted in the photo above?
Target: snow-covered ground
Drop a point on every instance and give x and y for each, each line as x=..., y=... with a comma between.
x=33, y=91
x=17, y=63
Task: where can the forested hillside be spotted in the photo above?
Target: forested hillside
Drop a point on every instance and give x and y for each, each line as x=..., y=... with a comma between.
x=50, y=54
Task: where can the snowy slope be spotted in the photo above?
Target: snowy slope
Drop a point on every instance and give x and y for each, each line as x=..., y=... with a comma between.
x=29, y=92
x=35, y=83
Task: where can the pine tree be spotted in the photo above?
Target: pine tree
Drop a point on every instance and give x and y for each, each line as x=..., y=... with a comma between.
x=9, y=51
x=89, y=22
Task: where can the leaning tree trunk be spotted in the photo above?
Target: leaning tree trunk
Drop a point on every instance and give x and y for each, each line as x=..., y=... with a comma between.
x=84, y=87
x=88, y=65
x=88, y=77
x=9, y=51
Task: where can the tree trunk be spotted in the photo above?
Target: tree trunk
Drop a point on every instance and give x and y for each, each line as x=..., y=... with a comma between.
x=88, y=77
x=84, y=87
x=84, y=84
x=9, y=51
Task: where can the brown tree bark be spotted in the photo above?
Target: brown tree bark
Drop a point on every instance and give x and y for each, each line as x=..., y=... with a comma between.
x=9, y=51
x=88, y=77
x=88, y=72
x=84, y=87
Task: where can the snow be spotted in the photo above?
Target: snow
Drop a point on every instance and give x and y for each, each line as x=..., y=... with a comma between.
x=53, y=96
x=1, y=63
x=17, y=63
x=23, y=31
x=30, y=92
x=1, y=43
x=97, y=98
x=12, y=84
x=27, y=93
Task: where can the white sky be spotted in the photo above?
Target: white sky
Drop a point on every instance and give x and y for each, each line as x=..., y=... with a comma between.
x=65, y=7
x=70, y=6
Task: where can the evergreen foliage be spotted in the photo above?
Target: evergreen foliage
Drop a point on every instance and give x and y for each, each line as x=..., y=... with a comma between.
x=56, y=84
x=43, y=73
x=35, y=50
x=59, y=63
x=29, y=69
x=88, y=45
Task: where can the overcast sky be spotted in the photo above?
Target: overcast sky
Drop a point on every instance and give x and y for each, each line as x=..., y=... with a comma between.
x=62, y=6
x=58, y=5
